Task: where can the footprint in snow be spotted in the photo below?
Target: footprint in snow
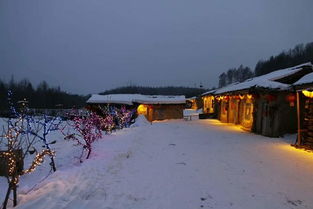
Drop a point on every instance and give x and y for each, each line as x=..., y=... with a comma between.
x=294, y=202
x=207, y=201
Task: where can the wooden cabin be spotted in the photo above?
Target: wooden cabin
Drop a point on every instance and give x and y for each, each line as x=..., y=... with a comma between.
x=161, y=111
x=153, y=107
x=304, y=89
x=264, y=105
x=191, y=103
x=194, y=103
x=210, y=104
x=237, y=108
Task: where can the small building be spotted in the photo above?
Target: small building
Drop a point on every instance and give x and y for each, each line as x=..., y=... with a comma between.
x=304, y=89
x=194, y=103
x=263, y=104
x=153, y=107
x=208, y=102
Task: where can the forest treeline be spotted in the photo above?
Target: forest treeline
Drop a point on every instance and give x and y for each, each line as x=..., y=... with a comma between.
x=170, y=90
x=298, y=55
x=235, y=75
x=43, y=96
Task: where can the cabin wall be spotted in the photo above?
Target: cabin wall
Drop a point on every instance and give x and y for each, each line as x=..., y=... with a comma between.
x=217, y=109
x=194, y=104
x=246, y=118
x=237, y=110
x=163, y=112
x=234, y=111
x=306, y=121
x=224, y=111
x=267, y=114
x=274, y=115
x=208, y=104
x=287, y=116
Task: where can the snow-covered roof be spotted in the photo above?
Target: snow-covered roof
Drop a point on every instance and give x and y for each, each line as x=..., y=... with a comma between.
x=191, y=98
x=255, y=82
x=307, y=79
x=129, y=99
x=113, y=98
x=265, y=81
x=160, y=99
x=208, y=92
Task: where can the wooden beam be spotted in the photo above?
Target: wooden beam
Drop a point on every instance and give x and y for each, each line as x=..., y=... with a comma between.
x=299, y=119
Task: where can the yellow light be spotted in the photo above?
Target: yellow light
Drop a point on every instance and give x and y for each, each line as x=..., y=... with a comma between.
x=142, y=109
x=308, y=93
x=249, y=96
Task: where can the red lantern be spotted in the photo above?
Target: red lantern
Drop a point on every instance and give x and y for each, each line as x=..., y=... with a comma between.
x=236, y=97
x=270, y=97
x=291, y=98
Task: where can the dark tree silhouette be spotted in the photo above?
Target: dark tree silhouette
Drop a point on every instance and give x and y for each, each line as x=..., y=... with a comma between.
x=298, y=55
x=42, y=97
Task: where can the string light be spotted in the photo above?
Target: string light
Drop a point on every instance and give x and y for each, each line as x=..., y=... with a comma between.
x=39, y=159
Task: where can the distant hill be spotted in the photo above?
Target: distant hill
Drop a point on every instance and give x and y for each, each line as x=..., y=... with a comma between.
x=169, y=90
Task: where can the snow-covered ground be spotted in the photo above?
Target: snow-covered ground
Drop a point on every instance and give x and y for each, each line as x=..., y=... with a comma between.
x=175, y=165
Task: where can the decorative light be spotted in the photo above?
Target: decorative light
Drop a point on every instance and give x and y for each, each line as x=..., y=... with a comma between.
x=249, y=96
x=39, y=160
x=308, y=93
x=142, y=109
x=291, y=98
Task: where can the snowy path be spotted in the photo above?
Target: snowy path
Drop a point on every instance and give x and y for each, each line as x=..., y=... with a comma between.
x=182, y=165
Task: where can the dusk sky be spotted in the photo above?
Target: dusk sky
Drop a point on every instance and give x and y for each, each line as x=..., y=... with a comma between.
x=88, y=46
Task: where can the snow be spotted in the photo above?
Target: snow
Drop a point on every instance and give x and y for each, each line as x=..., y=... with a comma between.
x=113, y=98
x=307, y=79
x=264, y=81
x=159, y=99
x=254, y=82
x=208, y=92
x=129, y=99
x=175, y=165
x=141, y=120
x=191, y=98
x=192, y=114
x=279, y=74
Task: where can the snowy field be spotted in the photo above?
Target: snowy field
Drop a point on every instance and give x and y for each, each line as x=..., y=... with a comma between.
x=174, y=165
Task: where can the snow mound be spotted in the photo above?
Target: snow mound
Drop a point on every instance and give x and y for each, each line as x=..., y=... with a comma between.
x=141, y=120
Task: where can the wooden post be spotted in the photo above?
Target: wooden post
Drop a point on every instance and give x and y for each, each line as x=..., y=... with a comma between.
x=299, y=119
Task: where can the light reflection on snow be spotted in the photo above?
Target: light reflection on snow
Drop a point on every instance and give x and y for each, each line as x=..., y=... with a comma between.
x=289, y=148
x=226, y=126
